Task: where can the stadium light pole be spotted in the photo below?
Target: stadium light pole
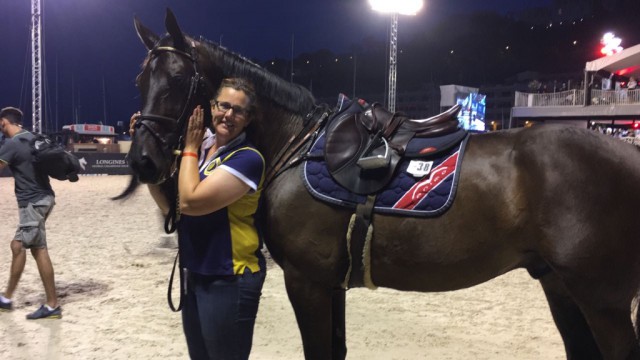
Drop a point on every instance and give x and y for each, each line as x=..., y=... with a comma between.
x=36, y=65
x=395, y=7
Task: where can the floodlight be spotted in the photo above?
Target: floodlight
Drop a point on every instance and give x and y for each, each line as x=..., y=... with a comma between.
x=403, y=7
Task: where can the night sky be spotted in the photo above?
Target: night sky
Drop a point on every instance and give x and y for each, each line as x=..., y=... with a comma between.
x=91, y=44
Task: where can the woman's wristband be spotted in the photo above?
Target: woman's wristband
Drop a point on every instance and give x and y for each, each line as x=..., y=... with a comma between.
x=188, y=153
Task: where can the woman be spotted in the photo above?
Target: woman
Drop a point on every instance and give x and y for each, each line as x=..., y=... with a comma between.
x=219, y=239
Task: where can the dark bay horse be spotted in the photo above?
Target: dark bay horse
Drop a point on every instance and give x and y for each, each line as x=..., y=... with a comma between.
x=558, y=201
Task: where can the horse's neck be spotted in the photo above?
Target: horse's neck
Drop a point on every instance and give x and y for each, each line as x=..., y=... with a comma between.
x=275, y=130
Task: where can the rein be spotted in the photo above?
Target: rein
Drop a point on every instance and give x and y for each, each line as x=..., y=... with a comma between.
x=282, y=160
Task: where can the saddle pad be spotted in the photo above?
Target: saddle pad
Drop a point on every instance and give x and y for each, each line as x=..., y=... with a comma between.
x=426, y=196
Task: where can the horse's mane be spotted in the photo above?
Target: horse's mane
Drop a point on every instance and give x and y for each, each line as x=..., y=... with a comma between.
x=291, y=96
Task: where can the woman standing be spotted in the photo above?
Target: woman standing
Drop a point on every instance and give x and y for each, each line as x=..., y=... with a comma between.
x=220, y=185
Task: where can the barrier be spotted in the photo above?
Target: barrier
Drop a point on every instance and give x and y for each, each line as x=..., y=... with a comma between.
x=96, y=164
x=103, y=163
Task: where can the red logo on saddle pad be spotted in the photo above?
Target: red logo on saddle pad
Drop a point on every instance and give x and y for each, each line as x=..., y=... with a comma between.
x=420, y=189
x=427, y=150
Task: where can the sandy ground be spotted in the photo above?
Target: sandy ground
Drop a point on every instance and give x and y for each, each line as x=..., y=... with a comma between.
x=112, y=264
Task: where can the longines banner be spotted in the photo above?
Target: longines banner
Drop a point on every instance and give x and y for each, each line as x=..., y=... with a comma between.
x=103, y=163
x=96, y=164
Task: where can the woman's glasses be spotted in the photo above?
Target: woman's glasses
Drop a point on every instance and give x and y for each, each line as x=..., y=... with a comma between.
x=224, y=106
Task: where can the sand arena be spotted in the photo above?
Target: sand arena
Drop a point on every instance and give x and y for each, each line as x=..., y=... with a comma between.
x=112, y=263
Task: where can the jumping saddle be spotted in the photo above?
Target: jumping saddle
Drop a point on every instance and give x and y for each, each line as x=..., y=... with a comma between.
x=364, y=143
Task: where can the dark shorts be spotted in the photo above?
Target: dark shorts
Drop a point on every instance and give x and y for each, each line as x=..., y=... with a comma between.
x=31, y=230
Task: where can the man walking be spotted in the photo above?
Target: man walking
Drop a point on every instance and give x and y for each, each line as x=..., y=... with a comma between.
x=35, y=202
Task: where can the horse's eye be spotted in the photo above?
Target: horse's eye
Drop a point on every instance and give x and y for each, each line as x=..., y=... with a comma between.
x=177, y=80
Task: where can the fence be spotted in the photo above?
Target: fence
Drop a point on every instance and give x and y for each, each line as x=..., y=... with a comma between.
x=576, y=98
x=562, y=98
x=615, y=97
x=96, y=164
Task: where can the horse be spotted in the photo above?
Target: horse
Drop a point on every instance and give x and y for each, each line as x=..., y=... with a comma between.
x=558, y=201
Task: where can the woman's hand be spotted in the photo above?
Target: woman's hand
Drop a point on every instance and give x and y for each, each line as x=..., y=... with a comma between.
x=132, y=123
x=195, y=130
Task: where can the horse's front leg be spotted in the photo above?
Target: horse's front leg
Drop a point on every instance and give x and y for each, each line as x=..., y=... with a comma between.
x=338, y=318
x=312, y=303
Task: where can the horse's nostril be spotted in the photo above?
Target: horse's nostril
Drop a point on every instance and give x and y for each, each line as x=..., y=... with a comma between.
x=148, y=159
x=145, y=169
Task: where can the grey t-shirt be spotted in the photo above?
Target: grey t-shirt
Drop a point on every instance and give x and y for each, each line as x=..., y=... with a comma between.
x=29, y=186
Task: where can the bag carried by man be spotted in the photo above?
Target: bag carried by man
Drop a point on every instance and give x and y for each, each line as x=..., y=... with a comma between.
x=52, y=159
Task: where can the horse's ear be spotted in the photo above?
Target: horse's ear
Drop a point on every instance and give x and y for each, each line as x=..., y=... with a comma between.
x=148, y=37
x=173, y=29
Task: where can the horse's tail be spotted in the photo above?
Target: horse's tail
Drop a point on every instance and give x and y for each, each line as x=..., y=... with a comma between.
x=131, y=188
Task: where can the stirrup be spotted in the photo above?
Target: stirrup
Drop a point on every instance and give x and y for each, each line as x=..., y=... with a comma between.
x=376, y=158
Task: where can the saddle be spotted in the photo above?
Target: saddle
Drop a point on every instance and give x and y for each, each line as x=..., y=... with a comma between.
x=364, y=143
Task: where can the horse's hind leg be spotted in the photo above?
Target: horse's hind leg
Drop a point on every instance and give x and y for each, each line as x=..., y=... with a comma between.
x=312, y=304
x=613, y=331
x=611, y=334
x=576, y=334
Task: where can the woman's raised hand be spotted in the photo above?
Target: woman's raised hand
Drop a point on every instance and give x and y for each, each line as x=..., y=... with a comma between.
x=195, y=130
x=132, y=123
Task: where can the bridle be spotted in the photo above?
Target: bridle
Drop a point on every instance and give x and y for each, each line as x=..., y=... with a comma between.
x=145, y=120
x=196, y=82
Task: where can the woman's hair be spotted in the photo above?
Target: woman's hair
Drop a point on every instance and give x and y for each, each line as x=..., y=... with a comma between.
x=241, y=85
x=14, y=115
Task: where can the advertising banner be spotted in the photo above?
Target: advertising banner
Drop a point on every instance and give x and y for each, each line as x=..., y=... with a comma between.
x=96, y=164
x=103, y=163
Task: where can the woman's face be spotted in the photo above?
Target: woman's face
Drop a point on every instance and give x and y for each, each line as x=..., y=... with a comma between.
x=230, y=115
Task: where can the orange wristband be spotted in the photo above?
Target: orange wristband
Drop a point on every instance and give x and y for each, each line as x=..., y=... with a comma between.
x=186, y=153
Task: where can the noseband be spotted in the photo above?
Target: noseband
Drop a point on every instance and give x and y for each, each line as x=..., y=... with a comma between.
x=195, y=83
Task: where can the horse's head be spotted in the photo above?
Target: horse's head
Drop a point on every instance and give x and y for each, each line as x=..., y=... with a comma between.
x=171, y=86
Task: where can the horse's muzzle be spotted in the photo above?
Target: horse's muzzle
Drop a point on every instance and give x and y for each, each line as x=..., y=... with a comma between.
x=147, y=168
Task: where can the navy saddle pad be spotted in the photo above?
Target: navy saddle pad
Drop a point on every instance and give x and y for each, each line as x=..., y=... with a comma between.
x=422, y=186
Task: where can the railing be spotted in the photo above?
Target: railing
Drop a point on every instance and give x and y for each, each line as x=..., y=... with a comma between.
x=632, y=140
x=615, y=97
x=99, y=148
x=562, y=98
x=576, y=98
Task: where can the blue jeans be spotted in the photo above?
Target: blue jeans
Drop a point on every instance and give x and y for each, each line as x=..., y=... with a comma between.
x=219, y=314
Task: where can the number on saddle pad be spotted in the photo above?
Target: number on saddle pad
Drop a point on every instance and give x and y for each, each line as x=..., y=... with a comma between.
x=53, y=160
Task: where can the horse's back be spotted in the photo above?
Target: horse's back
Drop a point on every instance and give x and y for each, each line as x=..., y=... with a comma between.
x=560, y=174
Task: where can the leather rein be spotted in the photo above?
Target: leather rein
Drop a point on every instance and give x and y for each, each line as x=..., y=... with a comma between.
x=284, y=159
